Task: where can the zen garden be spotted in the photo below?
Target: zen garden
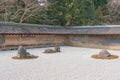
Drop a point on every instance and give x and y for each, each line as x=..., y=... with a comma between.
x=59, y=39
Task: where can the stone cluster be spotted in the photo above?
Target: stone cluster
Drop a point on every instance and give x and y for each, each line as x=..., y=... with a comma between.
x=22, y=53
x=57, y=49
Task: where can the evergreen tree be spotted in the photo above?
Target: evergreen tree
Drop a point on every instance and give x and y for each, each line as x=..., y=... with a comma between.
x=99, y=3
x=72, y=12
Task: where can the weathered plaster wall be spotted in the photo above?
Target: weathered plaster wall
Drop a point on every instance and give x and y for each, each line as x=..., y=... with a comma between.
x=34, y=40
x=95, y=41
x=91, y=41
x=102, y=36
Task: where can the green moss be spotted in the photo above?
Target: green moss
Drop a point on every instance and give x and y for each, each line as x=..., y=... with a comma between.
x=96, y=56
x=16, y=57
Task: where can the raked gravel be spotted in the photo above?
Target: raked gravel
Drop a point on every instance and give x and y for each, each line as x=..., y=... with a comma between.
x=72, y=63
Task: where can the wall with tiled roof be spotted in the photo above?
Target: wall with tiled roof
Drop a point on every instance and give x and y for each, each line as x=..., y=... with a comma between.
x=48, y=29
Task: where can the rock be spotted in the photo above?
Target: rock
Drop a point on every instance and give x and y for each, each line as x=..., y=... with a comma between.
x=57, y=49
x=22, y=53
x=49, y=51
x=104, y=53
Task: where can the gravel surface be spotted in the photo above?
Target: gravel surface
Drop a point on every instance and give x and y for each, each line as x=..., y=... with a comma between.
x=72, y=63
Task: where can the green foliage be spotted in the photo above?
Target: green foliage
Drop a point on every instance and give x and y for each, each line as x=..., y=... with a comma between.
x=72, y=12
x=60, y=12
x=102, y=13
x=102, y=16
x=99, y=3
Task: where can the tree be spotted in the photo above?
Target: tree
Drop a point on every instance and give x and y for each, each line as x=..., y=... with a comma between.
x=99, y=3
x=114, y=11
x=18, y=10
x=102, y=13
x=72, y=12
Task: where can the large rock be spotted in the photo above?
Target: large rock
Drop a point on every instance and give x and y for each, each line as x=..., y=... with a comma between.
x=22, y=53
x=104, y=53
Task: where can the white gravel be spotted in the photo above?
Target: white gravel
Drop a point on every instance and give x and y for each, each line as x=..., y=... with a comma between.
x=73, y=63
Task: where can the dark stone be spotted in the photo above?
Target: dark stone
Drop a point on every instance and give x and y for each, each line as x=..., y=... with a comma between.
x=57, y=49
x=22, y=53
x=104, y=53
x=49, y=51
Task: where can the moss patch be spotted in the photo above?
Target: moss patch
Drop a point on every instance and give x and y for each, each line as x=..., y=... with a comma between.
x=96, y=56
x=50, y=52
x=16, y=57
